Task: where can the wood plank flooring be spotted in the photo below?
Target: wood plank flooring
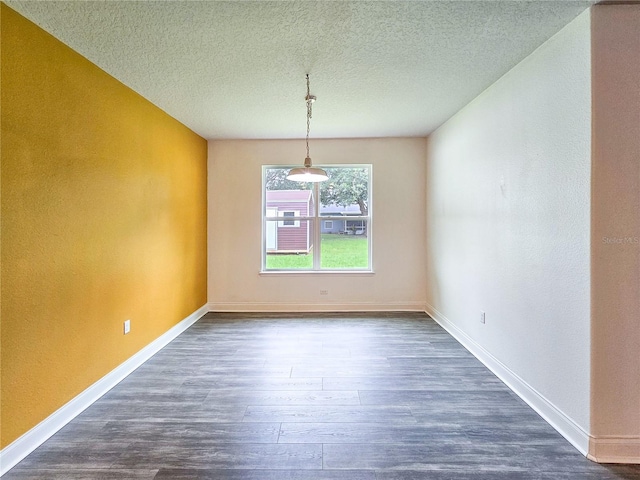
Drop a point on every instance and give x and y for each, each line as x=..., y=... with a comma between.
x=313, y=397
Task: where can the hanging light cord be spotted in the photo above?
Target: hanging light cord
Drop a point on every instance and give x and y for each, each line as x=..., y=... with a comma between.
x=308, y=173
x=309, y=100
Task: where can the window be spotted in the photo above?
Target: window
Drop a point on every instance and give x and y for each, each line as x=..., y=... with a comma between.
x=289, y=223
x=322, y=226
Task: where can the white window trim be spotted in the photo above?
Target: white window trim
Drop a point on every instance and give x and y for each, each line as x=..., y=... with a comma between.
x=328, y=224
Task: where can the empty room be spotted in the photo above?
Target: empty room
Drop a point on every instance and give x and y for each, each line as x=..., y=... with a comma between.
x=320, y=240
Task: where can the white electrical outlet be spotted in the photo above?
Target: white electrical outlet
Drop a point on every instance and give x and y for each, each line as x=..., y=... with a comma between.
x=324, y=292
x=127, y=326
x=482, y=319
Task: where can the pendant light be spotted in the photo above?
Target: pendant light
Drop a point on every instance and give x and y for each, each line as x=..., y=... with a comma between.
x=308, y=173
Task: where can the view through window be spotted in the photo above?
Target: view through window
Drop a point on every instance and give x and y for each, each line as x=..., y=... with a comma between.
x=317, y=226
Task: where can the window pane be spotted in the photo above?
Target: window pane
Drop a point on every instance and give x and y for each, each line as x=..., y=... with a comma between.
x=346, y=250
x=346, y=192
x=288, y=247
x=287, y=195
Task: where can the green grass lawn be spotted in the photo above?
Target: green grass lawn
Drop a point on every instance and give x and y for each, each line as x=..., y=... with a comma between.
x=338, y=251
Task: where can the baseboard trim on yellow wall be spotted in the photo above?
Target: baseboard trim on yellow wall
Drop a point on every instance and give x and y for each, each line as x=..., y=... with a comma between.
x=279, y=307
x=555, y=417
x=615, y=449
x=27, y=443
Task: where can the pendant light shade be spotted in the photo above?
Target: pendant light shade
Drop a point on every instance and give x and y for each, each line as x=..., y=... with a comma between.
x=308, y=173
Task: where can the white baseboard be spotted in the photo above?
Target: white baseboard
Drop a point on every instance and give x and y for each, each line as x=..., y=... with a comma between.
x=570, y=430
x=610, y=449
x=27, y=443
x=279, y=307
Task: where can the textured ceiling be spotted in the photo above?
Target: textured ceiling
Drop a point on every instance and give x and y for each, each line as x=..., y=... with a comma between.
x=237, y=69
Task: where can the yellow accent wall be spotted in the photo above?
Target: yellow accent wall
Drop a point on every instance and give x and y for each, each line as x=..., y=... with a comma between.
x=104, y=212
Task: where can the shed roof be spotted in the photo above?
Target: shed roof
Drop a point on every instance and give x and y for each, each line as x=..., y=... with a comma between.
x=288, y=195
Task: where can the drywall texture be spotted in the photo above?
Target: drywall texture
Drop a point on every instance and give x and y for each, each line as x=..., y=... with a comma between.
x=615, y=420
x=103, y=219
x=236, y=69
x=398, y=229
x=508, y=220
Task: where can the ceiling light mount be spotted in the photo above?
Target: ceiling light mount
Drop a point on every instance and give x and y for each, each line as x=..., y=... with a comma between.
x=308, y=173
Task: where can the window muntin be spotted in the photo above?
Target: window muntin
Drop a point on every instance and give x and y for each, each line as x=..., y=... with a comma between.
x=331, y=230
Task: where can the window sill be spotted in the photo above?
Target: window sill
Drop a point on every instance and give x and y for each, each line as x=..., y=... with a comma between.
x=269, y=273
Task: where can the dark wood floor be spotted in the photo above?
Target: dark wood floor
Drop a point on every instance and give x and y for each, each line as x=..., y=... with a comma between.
x=320, y=397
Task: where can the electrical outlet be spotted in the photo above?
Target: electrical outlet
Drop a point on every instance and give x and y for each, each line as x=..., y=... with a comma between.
x=127, y=326
x=482, y=319
x=324, y=292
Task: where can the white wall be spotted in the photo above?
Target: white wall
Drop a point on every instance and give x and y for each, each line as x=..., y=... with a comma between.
x=508, y=223
x=615, y=417
x=398, y=207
